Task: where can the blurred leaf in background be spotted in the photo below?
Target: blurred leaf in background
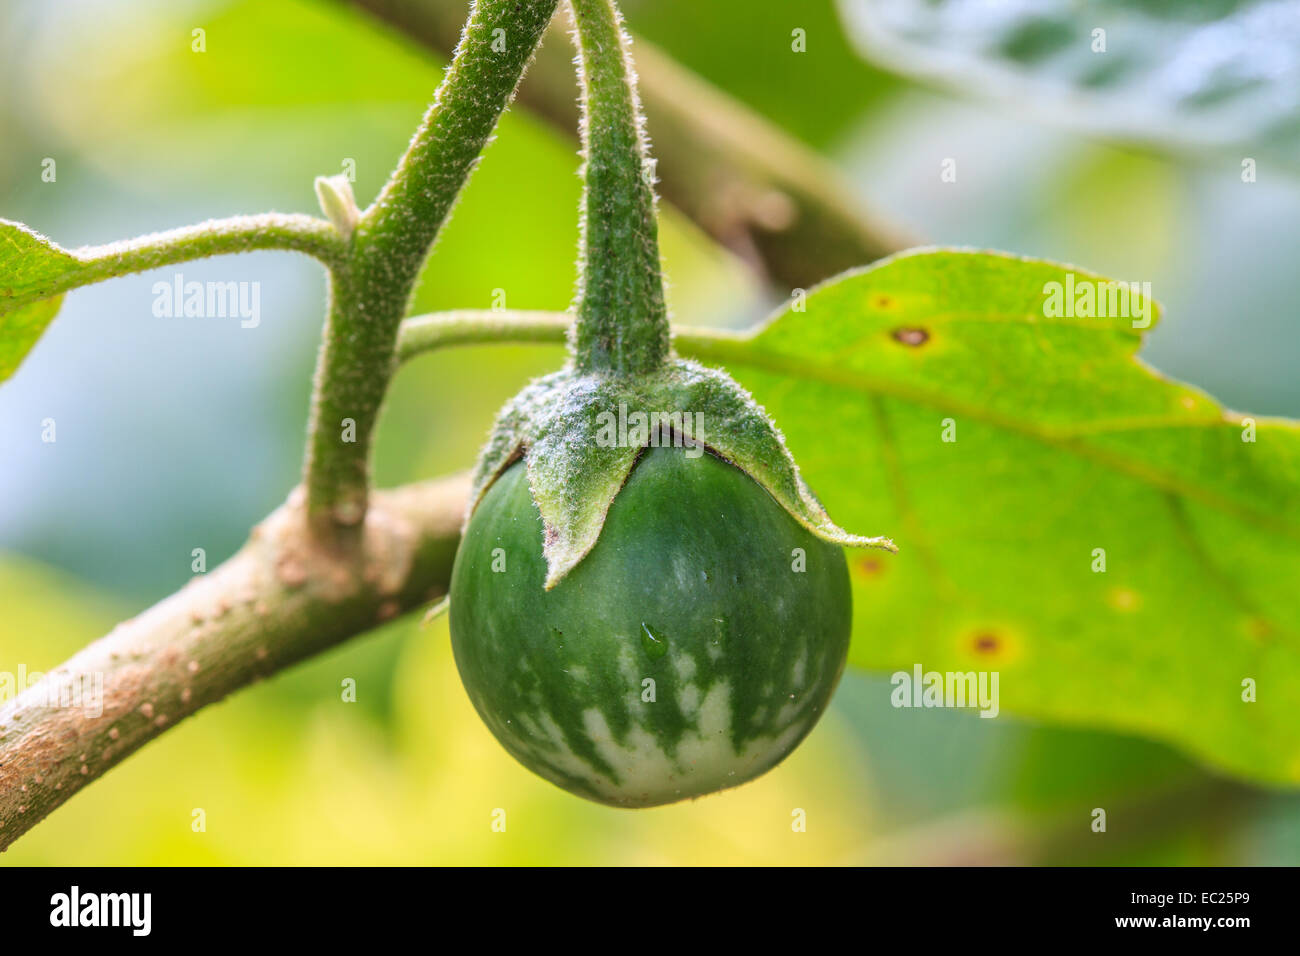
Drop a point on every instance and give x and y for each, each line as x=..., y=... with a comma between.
x=1218, y=75
x=750, y=51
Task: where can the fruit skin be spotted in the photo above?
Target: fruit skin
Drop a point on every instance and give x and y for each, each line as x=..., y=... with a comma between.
x=691, y=584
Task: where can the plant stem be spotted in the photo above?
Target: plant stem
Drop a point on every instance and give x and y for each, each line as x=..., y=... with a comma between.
x=622, y=325
x=278, y=600
x=271, y=230
x=426, y=333
x=755, y=189
x=371, y=291
x=89, y=264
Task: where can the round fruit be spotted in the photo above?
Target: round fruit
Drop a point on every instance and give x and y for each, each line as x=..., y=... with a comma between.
x=691, y=650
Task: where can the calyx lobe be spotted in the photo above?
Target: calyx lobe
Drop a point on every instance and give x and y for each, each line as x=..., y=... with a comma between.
x=581, y=433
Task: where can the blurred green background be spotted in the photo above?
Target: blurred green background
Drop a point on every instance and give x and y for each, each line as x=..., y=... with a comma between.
x=174, y=435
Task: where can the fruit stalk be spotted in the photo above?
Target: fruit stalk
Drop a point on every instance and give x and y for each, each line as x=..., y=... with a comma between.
x=622, y=323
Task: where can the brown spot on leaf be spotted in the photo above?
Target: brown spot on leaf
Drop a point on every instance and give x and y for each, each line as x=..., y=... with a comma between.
x=869, y=567
x=912, y=337
x=986, y=642
x=1259, y=628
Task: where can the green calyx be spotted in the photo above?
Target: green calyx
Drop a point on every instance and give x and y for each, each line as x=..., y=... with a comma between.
x=580, y=435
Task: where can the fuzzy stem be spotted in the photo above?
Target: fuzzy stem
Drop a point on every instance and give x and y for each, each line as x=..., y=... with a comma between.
x=425, y=333
x=90, y=264
x=622, y=325
x=270, y=230
x=371, y=291
x=438, y=330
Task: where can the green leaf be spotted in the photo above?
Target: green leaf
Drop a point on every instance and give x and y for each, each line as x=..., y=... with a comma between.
x=20, y=329
x=1192, y=75
x=30, y=268
x=1066, y=449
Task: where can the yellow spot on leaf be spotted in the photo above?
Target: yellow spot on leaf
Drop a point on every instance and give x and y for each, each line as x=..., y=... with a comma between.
x=1124, y=599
